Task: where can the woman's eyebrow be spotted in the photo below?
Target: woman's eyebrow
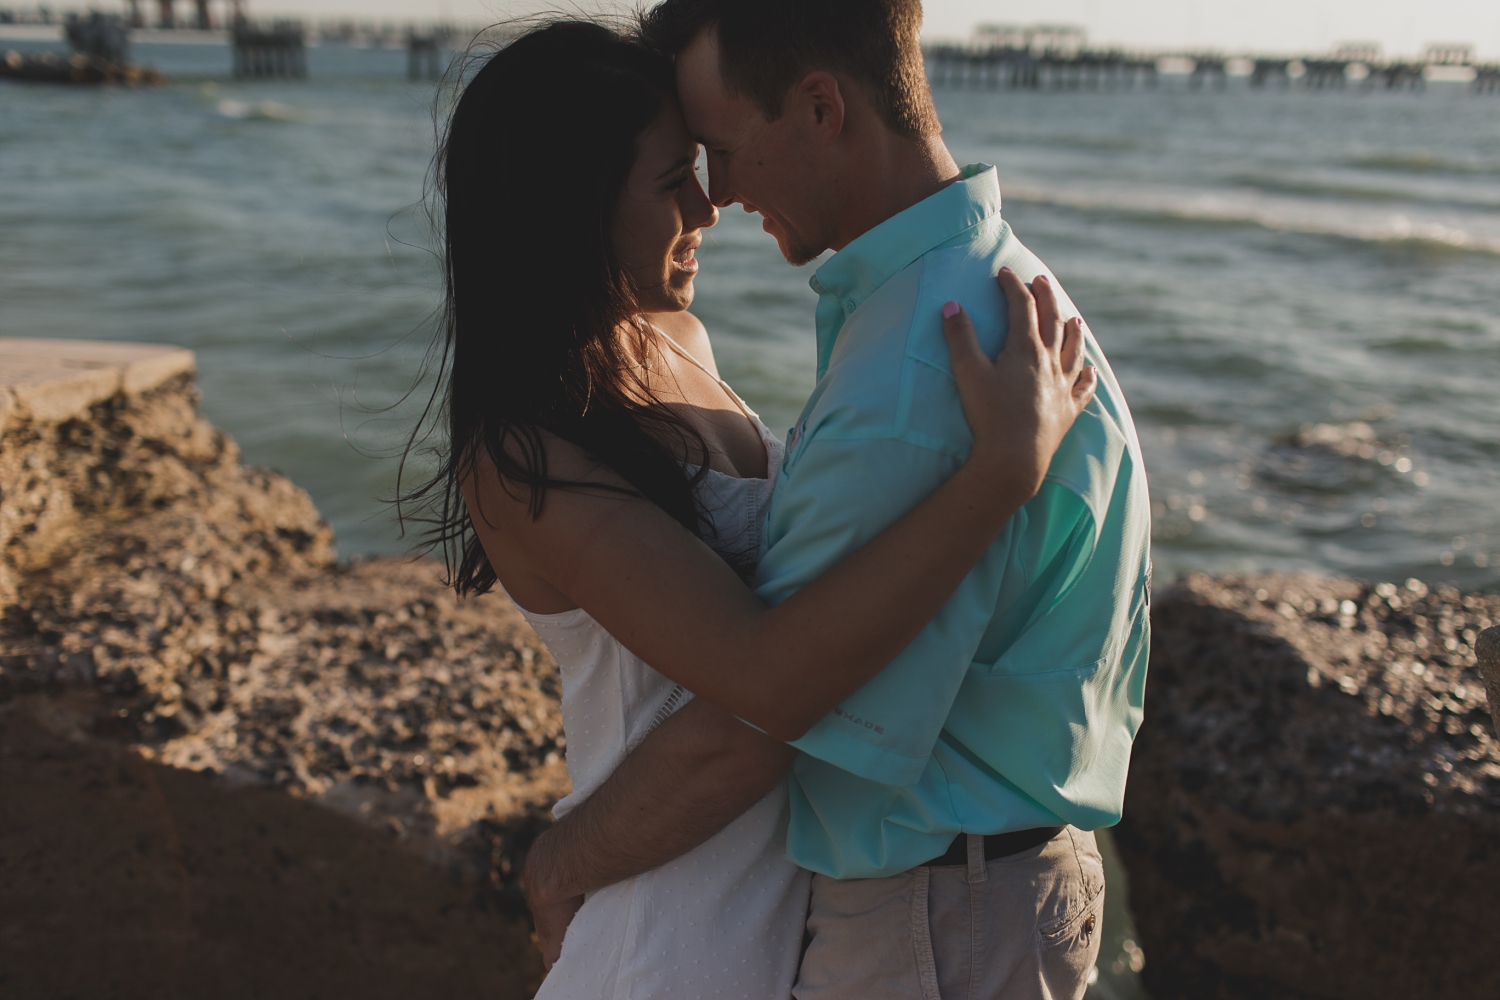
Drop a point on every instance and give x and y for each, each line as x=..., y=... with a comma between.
x=685, y=161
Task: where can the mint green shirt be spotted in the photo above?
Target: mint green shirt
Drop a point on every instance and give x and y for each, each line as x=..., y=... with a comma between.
x=1016, y=706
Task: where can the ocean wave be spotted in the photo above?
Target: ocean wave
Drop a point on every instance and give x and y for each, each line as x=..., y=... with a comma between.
x=1098, y=143
x=1421, y=163
x=1319, y=189
x=1272, y=184
x=1208, y=209
x=259, y=111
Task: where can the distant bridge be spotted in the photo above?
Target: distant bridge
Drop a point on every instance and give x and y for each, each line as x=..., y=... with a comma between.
x=1047, y=57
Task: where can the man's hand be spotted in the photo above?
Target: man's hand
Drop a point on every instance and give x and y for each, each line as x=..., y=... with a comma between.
x=550, y=912
x=697, y=773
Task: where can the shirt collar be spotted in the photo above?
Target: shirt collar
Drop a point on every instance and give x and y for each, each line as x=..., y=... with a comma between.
x=854, y=273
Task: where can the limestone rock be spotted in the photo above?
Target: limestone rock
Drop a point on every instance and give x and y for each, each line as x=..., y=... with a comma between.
x=202, y=602
x=1314, y=798
x=1488, y=651
x=128, y=878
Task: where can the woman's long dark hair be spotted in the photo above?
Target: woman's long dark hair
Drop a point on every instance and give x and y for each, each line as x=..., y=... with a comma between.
x=528, y=175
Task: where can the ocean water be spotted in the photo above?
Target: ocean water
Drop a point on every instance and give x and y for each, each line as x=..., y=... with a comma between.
x=1300, y=293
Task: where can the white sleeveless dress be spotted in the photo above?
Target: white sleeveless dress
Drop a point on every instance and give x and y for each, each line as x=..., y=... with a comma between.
x=726, y=919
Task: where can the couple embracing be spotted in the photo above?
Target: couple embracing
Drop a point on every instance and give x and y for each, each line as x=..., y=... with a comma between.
x=842, y=710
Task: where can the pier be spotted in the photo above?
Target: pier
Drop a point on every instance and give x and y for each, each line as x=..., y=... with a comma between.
x=260, y=49
x=954, y=66
x=1043, y=57
x=1052, y=57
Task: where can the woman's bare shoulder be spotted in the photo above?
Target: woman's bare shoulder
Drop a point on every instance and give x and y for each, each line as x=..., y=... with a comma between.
x=690, y=334
x=565, y=462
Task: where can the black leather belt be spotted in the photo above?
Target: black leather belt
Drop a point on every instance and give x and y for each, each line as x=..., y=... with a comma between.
x=996, y=845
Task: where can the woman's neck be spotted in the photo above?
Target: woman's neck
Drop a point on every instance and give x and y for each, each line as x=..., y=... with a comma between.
x=638, y=343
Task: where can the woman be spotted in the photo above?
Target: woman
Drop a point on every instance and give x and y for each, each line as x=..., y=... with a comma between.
x=600, y=472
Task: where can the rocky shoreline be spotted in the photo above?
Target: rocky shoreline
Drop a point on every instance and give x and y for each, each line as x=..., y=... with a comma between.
x=1312, y=811
x=1314, y=799
x=159, y=596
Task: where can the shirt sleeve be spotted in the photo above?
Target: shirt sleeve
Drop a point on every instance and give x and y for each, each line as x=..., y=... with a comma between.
x=836, y=495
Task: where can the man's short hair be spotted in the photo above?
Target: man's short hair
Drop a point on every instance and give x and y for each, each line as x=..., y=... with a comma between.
x=767, y=46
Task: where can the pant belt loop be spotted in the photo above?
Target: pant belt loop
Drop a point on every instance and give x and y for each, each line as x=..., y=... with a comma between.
x=978, y=870
x=921, y=933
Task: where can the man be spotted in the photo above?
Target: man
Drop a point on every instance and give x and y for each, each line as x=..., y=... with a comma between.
x=944, y=807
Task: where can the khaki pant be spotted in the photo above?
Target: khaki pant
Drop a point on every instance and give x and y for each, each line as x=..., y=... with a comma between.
x=1025, y=927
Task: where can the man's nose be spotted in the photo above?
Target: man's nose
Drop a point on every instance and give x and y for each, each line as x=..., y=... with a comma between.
x=720, y=191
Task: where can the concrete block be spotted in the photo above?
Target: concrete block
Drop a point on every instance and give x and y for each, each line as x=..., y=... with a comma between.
x=150, y=372
x=48, y=391
x=57, y=379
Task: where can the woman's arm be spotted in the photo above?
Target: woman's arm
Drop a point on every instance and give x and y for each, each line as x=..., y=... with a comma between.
x=664, y=594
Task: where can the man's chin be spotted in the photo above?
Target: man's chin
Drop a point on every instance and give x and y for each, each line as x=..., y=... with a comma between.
x=796, y=252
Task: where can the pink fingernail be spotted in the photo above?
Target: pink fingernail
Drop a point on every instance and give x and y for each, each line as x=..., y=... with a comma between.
x=1006, y=270
x=950, y=310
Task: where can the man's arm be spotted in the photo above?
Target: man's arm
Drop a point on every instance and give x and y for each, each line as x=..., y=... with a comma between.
x=697, y=773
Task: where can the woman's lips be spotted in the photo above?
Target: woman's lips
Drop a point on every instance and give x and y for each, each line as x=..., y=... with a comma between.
x=685, y=260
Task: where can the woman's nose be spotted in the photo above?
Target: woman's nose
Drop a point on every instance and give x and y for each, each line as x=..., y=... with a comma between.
x=700, y=213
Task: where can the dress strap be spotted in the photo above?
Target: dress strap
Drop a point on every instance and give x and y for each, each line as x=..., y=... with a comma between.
x=704, y=369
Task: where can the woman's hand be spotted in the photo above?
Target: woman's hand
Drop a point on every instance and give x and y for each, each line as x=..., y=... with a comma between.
x=1020, y=405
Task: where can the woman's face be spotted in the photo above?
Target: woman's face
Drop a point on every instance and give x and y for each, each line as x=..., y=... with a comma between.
x=662, y=214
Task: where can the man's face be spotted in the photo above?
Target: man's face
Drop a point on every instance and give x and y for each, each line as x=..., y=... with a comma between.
x=774, y=168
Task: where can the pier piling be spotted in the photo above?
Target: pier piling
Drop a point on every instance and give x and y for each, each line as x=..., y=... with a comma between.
x=424, y=56
x=277, y=51
x=1324, y=74
x=1276, y=71
x=1209, y=69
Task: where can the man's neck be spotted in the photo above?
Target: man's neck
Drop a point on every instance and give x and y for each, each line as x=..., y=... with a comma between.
x=894, y=174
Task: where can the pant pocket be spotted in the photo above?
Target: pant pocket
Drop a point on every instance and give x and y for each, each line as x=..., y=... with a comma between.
x=1068, y=952
x=1070, y=921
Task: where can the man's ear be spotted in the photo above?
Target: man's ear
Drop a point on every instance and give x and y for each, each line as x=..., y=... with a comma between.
x=821, y=100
